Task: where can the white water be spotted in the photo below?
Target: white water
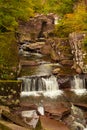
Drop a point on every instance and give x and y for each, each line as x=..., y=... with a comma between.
x=51, y=94
x=47, y=87
x=51, y=83
x=78, y=85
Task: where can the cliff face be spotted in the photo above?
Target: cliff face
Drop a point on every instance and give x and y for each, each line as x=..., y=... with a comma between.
x=67, y=51
x=39, y=26
x=77, y=46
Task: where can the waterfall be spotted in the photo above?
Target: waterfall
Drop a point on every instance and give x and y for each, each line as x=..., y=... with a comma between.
x=51, y=83
x=40, y=84
x=78, y=84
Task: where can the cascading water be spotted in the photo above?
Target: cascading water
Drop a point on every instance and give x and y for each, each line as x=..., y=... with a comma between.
x=51, y=83
x=78, y=84
x=37, y=85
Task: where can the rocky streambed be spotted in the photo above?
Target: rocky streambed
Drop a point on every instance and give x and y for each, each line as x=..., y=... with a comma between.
x=53, y=93
x=67, y=112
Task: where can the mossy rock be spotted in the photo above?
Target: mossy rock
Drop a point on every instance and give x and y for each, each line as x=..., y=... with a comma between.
x=10, y=92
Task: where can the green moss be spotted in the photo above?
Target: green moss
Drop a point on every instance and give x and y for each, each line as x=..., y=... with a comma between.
x=8, y=55
x=38, y=127
x=8, y=49
x=10, y=81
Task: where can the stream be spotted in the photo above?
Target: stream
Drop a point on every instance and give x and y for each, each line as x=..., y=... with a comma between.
x=40, y=85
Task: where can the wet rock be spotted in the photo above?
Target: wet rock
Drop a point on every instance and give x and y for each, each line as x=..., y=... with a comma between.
x=28, y=63
x=58, y=111
x=81, y=105
x=73, y=124
x=33, y=46
x=51, y=124
x=76, y=119
x=27, y=106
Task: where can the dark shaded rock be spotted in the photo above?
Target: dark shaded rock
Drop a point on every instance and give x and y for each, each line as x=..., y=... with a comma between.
x=81, y=105
x=64, y=82
x=67, y=62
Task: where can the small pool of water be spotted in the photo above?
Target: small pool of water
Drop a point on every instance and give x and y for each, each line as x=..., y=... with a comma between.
x=43, y=69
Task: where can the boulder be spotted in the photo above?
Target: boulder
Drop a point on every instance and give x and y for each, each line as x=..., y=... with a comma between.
x=33, y=46
x=31, y=118
x=56, y=71
x=58, y=111
x=46, y=49
x=77, y=68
